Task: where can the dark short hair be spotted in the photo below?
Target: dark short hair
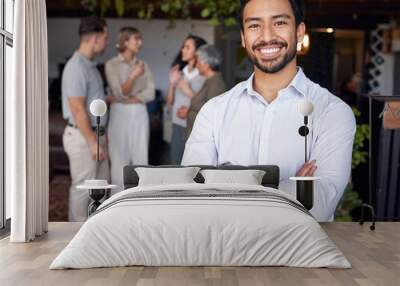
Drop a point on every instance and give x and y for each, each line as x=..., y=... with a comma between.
x=297, y=7
x=91, y=25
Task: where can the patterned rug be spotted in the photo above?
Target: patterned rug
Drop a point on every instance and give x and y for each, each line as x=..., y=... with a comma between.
x=58, y=198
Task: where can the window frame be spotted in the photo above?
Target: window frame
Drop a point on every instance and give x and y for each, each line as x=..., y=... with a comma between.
x=6, y=39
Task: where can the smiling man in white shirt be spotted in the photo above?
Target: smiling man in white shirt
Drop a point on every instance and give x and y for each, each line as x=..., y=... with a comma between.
x=257, y=121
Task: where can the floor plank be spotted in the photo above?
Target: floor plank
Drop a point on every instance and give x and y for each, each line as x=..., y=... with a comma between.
x=375, y=257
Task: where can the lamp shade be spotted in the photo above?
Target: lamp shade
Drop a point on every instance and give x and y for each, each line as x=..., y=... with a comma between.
x=98, y=107
x=306, y=107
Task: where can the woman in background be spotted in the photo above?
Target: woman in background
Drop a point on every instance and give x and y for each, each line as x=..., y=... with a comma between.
x=132, y=86
x=208, y=64
x=185, y=81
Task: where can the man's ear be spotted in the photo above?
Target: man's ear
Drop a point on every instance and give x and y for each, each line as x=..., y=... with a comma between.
x=97, y=37
x=242, y=37
x=301, y=31
x=90, y=39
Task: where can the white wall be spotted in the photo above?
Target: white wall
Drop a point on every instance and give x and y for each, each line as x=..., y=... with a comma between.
x=160, y=43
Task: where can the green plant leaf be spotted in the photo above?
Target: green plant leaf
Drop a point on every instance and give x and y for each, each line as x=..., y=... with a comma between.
x=104, y=6
x=348, y=202
x=214, y=22
x=142, y=13
x=165, y=7
x=205, y=13
x=149, y=13
x=219, y=12
x=231, y=21
x=120, y=7
x=89, y=5
x=360, y=138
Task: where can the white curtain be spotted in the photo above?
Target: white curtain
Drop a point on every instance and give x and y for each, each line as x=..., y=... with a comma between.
x=27, y=123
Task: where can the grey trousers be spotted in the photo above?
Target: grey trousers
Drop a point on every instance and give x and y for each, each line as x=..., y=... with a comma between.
x=178, y=141
x=82, y=167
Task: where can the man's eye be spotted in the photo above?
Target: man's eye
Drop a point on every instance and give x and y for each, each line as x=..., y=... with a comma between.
x=254, y=26
x=280, y=23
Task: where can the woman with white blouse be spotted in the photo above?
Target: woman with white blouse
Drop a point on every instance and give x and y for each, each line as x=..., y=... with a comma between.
x=183, y=76
x=132, y=86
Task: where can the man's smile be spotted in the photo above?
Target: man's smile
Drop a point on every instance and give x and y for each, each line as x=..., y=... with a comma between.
x=268, y=52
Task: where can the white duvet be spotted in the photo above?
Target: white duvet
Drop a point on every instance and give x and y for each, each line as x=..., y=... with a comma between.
x=200, y=231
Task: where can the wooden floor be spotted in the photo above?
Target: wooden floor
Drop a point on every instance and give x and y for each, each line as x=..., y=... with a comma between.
x=375, y=257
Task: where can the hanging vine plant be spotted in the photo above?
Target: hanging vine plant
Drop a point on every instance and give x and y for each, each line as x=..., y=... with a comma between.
x=221, y=12
x=89, y=5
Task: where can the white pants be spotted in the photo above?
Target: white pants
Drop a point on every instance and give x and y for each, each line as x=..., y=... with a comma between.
x=82, y=167
x=128, y=138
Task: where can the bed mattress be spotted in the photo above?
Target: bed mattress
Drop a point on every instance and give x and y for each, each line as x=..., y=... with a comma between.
x=201, y=225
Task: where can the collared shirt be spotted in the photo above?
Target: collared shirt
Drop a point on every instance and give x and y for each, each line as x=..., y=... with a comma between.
x=196, y=82
x=117, y=72
x=82, y=78
x=242, y=128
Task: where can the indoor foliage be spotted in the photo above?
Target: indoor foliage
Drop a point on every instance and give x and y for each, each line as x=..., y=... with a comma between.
x=350, y=198
x=218, y=12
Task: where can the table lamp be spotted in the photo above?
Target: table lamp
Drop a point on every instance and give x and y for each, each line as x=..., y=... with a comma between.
x=305, y=185
x=98, y=108
x=97, y=188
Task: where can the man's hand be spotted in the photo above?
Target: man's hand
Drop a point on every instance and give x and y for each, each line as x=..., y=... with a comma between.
x=307, y=170
x=182, y=112
x=175, y=75
x=137, y=70
x=93, y=151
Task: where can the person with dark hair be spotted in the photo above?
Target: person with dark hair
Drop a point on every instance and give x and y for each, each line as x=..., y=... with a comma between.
x=81, y=84
x=295, y=5
x=257, y=122
x=132, y=86
x=183, y=83
x=179, y=60
x=208, y=63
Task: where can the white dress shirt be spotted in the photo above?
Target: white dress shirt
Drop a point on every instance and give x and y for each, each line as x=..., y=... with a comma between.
x=242, y=128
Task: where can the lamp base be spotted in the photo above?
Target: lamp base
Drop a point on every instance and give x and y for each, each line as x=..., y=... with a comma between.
x=305, y=190
x=305, y=193
x=96, y=195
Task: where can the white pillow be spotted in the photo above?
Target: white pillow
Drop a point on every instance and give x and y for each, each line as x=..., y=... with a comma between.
x=166, y=176
x=248, y=177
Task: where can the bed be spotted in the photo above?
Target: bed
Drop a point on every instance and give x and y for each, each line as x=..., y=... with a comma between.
x=201, y=224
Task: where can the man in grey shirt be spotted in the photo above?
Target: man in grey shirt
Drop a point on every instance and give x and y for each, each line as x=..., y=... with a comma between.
x=81, y=84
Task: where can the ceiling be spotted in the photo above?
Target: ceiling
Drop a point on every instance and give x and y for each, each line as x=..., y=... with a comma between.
x=350, y=14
